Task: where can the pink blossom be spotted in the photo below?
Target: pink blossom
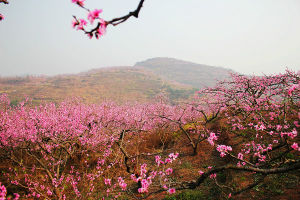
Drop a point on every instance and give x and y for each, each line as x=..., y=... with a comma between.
x=223, y=149
x=90, y=35
x=295, y=146
x=278, y=127
x=107, y=181
x=212, y=176
x=81, y=24
x=122, y=183
x=212, y=138
x=240, y=156
x=78, y=2
x=171, y=158
x=75, y=23
x=171, y=190
x=3, y=192
x=94, y=15
x=158, y=160
x=17, y=196
x=142, y=190
x=49, y=192
x=292, y=89
x=102, y=29
x=169, y=171
x=133, y=177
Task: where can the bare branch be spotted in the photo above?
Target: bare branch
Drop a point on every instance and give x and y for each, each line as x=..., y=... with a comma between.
x=135, y=13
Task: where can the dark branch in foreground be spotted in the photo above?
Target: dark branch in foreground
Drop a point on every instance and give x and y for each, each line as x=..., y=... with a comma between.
x=4, y=1
x=119, y=20
x=135, y=13
x=195, y=183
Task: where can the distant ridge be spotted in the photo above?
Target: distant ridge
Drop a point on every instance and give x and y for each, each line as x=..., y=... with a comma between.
x=196, y=75
x=176, y=79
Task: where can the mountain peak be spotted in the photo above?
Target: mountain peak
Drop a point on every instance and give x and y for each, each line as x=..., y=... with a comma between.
x=163, y=60
x=189, y=73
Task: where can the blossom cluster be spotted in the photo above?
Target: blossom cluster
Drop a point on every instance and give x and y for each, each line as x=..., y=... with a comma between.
x=80, y=24
x=3, y=193
x=147, y=180
x=212, y=138
x=223, y=149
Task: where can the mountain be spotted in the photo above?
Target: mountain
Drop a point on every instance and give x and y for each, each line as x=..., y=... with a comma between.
x=176, y=79
x=196, y=75
x=120, y=84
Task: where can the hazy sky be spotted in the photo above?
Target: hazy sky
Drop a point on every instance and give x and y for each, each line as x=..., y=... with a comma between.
x=248, y=36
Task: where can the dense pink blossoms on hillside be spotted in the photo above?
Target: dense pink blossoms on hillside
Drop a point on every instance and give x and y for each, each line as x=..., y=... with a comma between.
x=253, y=120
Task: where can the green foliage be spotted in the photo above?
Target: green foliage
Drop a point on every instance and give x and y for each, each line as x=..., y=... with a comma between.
x=186, y=165
x=14, y=102
x=175, y=93
x=176, y=135
x=290, y=156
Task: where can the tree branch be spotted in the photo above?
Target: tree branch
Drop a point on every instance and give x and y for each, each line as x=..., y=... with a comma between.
x=195, y=183
x=135, y=13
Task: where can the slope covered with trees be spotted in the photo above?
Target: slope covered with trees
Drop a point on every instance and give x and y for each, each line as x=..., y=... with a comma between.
x=119, y=84
x=236, y=140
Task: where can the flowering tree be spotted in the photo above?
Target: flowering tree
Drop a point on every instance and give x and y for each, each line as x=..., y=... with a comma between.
x=94, y=16
x=262, y=116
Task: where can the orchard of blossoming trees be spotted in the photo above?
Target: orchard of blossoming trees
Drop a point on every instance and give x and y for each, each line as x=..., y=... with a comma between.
x=246, y=127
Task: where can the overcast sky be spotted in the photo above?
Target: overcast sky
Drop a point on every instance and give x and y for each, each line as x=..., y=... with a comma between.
x=248, y=36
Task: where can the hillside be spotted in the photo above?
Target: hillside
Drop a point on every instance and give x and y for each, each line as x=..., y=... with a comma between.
x=118, y=84
x=176, y=79
x=196, y=75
